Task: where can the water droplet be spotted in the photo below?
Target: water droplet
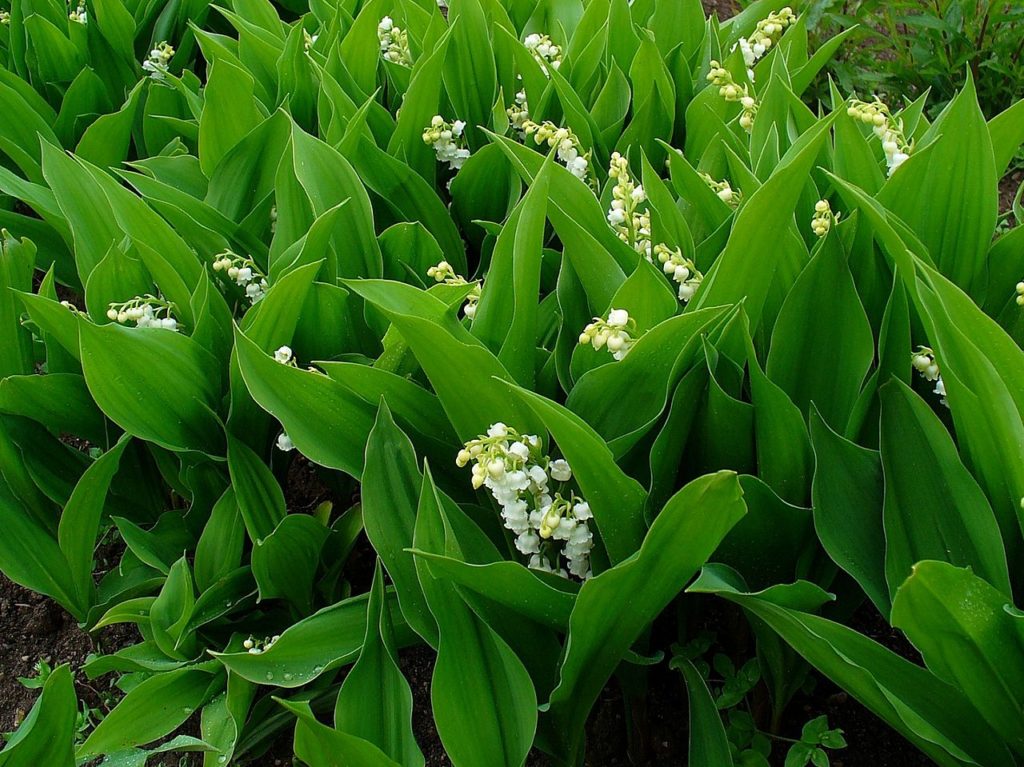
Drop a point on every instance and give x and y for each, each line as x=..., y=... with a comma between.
x=270, y=675
x=288, y=677
x=317, y=669
x=228, y=603
x=222, y=758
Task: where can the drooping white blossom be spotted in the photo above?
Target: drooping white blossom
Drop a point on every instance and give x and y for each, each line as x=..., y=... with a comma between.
x=394, y=43
x=728, y=89
x=886, y=127
x=443, y=272
x=568, y=148
x=448, y=141
x=613, y=333
x=158, y=60
x=146, y=311
x=544, y=51
x=244, y=272
x=550, y=525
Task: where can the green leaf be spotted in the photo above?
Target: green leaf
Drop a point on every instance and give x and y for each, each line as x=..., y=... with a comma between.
x=709, y=746
x=741, y=271
x=80, y=520
x=949, y=196
x=823, y=362
x=319, y=746
x=325, y=420
x=931, y=714
x=613, y=608
x=847, y=494
x=1006, y=131
x=167, y=394
x=960, y=527
x=970, y=636
x=285, y=562
x=465, y=375
x=375, y=702
x=152, y=709
x=469, y=71
x=259, y=496
x=315, y=645
x=46, y=735
x=483, y=700
x=230, y=111
x=507, y=316
x=390, y=490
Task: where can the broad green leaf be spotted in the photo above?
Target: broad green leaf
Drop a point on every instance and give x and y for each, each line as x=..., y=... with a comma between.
x=390, y=492
x=847, y=496
x=970, y=636
x=742, y=272
x=613, y=608
x=466, y=376
x=823, y=362
x=47, y=733
x=325, y=420
x=284, y=563
x=154, y=708
x=324, y=641
x=156, y=384
x=80, y=520
x=375, y=702
x=259, y=496
x=709, y=746
x=230, y=111
x=483, y=700
x=59, y=401
x=931, y=714
x=320, y=746
x=949, y=196
x=959, y=526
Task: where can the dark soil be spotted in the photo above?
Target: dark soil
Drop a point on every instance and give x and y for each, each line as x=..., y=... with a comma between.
x=1008, y=189
x=724, y=8
x=34, y=628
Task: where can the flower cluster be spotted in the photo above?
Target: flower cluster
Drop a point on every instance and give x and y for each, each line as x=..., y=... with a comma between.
x=824, y=218
x=244, y=272
x=448, y=141
x=519, y=475
x=158, y=60
x=444, y=272
x=628, y=215
x=544, y=51
x=5, y=16
x=308, y=40
x=764, y=36
x=1020, y=293
x=519, y=113
x=256, y=646
x=888, y=129
x=394, y=43
x=569, y=150
x=728, y=89
x=728, y=195
x=924, y=363
x=79, y=14
x=680, y=269
x=145, y=312
x=612, y=333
